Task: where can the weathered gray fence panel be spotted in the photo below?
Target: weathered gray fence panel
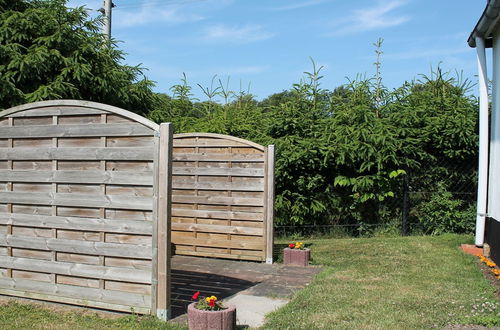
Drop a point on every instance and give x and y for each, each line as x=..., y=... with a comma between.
x=79, y=185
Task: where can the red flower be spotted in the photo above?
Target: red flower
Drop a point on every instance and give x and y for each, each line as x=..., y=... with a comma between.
x=195, y=296
x=291, y=245
x=211, y=303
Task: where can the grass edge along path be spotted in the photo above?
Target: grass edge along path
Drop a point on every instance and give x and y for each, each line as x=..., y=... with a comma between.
x=417, y=282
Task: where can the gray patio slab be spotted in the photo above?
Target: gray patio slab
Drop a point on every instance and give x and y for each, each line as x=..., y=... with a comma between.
x=255, y=288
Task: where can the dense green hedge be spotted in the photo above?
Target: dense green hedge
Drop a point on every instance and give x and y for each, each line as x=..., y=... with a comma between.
x=342, y=154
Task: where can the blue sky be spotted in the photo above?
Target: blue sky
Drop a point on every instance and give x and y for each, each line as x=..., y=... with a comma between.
x=268, y=43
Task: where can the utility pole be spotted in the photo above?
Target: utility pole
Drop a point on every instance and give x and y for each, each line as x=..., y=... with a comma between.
x=106, y=11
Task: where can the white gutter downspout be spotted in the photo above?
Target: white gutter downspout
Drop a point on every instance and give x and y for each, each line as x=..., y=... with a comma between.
x=482, y=184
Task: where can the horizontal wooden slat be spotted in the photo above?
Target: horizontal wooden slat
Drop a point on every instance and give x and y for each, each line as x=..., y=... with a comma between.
x=78, y=200
x=217, y=200
x=214, y=137
x=77, y=246
x=218, y=171
x=221, y=255
x=89, y=177
x=219, y=143
x=88, y=130
x=57, y=111
x=217, y=157
x=75, y=223
x=218, y=229
x=74, y=269
x=75, y=301
x=79, y=293
x=233, y=244
x=236, y=186
x=217, y=214
x=76, y=154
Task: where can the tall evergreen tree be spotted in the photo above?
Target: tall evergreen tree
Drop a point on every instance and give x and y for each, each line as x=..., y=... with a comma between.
x=49, y=51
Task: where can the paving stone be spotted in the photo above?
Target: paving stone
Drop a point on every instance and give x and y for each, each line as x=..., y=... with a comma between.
x=238, y=281
x=251, y=310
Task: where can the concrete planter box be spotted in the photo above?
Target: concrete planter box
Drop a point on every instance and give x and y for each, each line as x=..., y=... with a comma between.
x=296, y=257
x=214, y=320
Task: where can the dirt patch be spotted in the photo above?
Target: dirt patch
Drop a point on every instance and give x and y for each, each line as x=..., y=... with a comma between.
x=495, y=282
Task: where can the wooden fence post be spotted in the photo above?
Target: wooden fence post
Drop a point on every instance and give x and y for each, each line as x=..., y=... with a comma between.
x=163, y=310
x=269, y=202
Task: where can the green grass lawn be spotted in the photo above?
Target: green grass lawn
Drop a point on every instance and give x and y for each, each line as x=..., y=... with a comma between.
x=373, y=283
x=25, y=316
x=388, y=283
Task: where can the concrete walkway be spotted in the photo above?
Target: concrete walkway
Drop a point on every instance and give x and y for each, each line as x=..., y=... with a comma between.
x=255, y=288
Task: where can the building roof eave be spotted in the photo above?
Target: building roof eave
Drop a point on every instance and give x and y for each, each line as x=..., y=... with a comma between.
x=486, y=23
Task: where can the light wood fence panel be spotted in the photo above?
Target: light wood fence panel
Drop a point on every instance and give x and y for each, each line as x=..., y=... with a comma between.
x=222, y=197
x=79, y=211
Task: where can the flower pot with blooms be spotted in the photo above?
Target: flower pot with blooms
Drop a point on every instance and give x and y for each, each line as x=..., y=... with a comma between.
x=210, y=313
x=296, y=254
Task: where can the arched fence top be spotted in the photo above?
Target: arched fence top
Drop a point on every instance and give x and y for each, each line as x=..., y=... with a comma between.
x=95, y=180
x=82, y=104
x=220, y=136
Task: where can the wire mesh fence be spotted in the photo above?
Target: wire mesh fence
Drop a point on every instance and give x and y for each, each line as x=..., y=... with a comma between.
x=432, y=199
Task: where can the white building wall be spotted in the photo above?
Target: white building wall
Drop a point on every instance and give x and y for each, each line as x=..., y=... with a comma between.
x=494, y=168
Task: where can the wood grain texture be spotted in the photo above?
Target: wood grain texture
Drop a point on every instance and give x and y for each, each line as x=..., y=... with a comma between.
x=56, y=111
x=78, y=200
x=196, y=227
x=83, y=224
x=224, y=186
x=217, y=200
x=77, y=185
x=217, y=214
x=220, y=195
x=77, y=246
x=216, y=157
x=216, y=138
x=48, y=131
x=269, y=208
x=87, y=105
x=164, y=220
x=80, y=293
x=76, y=154
x=241, y=256
x=218, y=171
x=223, y=243
x=80, y=270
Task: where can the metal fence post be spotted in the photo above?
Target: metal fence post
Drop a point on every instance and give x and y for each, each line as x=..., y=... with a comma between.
x=404, y=223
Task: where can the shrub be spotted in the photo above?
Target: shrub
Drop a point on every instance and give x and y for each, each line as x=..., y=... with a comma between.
x=442, y=213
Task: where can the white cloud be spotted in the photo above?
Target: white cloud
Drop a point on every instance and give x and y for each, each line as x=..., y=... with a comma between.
x=234, y=34
x=148, y=13
x=299, y=5
x=373, y=18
